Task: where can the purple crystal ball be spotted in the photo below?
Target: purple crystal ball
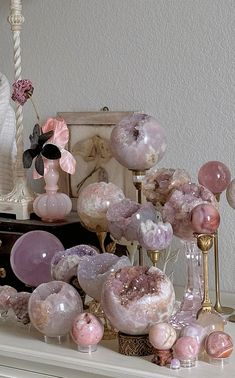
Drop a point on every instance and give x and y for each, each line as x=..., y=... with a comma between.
x=31, y=257
x=53, y=306
x=134, y=298
x=138, y=142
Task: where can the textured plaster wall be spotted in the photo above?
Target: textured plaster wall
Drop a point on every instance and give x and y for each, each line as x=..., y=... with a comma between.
x=174, y=59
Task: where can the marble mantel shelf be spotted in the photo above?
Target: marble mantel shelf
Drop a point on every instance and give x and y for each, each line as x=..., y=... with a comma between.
x=23, y=354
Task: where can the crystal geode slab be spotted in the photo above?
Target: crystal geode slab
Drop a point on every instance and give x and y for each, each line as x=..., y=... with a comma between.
x=94, y=270
x=134, y=298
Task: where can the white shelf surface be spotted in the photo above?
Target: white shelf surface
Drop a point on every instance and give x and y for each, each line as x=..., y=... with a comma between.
x=24, y=354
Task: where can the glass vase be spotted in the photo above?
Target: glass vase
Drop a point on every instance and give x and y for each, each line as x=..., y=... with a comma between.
x=52, y=206
x=193, y=293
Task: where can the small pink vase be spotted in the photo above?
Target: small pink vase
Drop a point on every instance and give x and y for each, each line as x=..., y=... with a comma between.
x=52, y=206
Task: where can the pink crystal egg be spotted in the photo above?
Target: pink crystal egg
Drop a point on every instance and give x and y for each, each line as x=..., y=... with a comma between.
x=162, y=336
x=205, y=219
x=134, y=298
x=219, y=345
x=93, y=203
x=94, y=270
x=186, y=348
x=53, y=306
x=215, y=176
x=138, y=142
x=87, y=330
x=31, y=256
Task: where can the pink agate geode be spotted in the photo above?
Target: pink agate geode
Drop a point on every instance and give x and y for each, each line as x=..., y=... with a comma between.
x=134, y=298
x=64, y=264
x=159, y=183
x=215, y=176
x=94, y=270
x=177, y=210
x=155, y=236
x=87, y=330
x=138, y=142
x=93, y=203
x=53, y=307
x=124, y=218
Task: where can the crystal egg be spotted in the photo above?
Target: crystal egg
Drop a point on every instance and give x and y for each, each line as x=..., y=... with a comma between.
x=53, y=306
x=134, y=298
x=215, y=176
x=31, y=257
x=205, y=219
x=87, y=331
x=93, y=203
x=138, y=142
x=219, y=344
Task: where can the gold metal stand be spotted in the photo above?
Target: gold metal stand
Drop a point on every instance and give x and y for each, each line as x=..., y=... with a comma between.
x=137, y=179
x=204, y=243
x=218, y=307
x=154, y=256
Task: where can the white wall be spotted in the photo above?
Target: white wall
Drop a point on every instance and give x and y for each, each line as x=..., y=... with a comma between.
x=174, y=59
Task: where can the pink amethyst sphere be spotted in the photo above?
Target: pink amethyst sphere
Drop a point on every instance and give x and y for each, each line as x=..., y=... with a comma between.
x=138, y=142
x=155, y=236
x=53, y=307
x=93, y=203
x=219, y=344
x=162, y=336
x=124, y=218
x=134, y=298
x=64, y=264
x=159, y=183
x=205, y=219
x=31, y=256
x=177, y=210
x=87, y=330
x=94, y=270
x=215, y=176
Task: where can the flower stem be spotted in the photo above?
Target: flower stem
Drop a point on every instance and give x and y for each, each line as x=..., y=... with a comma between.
x=35, y=109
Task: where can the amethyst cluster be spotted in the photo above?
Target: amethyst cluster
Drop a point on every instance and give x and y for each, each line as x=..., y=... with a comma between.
x=133, y=221
x=13, y=302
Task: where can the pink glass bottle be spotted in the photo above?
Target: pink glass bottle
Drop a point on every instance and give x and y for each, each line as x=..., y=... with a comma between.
x=192, y=297
x=52, y=206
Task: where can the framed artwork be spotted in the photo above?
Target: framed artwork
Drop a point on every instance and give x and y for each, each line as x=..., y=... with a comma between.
x=89, y=143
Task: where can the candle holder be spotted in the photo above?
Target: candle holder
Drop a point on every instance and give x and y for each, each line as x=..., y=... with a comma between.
x=204, y=243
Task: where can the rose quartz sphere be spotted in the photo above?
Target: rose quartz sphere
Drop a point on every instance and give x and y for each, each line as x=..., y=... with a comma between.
x=138, y=142
x=215, y=176
x=205, y=219
x=186, y=348
x=93, y=203
x=219, y=344
x=134, y=298
x=87, y=330
x=162, y=336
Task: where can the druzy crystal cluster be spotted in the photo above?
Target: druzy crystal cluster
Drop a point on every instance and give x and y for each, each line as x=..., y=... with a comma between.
x=133, y=298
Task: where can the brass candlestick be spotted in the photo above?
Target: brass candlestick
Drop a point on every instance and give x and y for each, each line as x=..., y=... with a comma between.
x=137, y=179
x=218, y=307
x=154, y=256
x=204, y=243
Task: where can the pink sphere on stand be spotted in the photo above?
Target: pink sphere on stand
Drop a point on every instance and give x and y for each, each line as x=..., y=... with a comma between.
x=205, y=219
x=87, y=331
x=215, y=176
x=162, y=336
x=186, y=349
x=219, y=344
x=138, y=142
x=31, y=257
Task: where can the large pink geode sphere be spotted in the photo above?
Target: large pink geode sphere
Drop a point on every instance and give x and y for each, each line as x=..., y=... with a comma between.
x=215, y=176
x=136, y=297
x=177, y=210
x=124, y=218
x=138, y=142
x=93, y=203
x=53, y=307
x=94, y=270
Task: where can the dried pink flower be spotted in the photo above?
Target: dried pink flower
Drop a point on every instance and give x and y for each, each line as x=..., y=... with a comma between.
x=22, y=91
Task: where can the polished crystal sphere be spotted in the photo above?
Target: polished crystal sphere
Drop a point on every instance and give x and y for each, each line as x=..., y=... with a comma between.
x=138, y=142
x=215, y=176
x=31, y=256
x=205, y=219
